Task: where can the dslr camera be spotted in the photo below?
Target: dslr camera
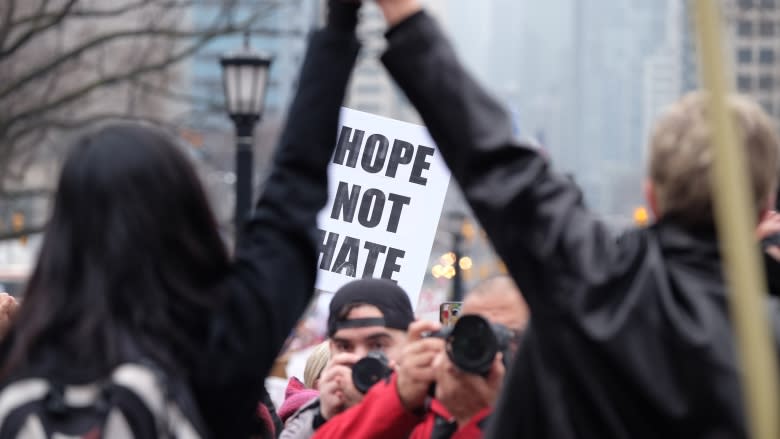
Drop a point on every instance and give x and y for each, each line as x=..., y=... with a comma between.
x=371, y=369
x=473, y=342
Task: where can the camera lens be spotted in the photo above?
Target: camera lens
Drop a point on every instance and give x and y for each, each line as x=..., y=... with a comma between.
x=369, y=371
x=472, y=346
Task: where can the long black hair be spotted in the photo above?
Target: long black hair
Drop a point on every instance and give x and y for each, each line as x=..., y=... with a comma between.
x=131, y=252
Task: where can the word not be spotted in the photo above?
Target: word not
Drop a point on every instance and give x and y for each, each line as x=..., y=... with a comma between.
x=372, y=206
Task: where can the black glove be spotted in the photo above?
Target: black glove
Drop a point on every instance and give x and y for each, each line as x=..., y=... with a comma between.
x=343, y=15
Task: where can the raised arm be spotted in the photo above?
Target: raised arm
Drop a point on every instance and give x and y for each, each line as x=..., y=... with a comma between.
x=272, y=279
x=535, y=218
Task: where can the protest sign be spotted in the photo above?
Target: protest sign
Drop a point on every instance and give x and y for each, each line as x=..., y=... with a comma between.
x=387, y=183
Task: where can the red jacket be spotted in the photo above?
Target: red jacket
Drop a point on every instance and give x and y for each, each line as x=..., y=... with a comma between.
x=382, y=415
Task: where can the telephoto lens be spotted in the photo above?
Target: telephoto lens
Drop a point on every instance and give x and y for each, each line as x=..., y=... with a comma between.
x=370, y=370
x=474, y=342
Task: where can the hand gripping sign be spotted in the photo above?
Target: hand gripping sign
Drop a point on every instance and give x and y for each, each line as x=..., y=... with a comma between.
x=386, y=190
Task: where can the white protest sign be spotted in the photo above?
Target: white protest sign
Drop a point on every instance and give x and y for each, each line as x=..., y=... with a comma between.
x=387, y=183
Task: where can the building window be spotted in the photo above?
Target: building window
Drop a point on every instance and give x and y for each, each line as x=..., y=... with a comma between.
x=745, y=28
x=765, y=83
x=767, y=28
x=744, y=83
x=766, y=56
x=746, y=4
x=768, y=3
x=745, y=56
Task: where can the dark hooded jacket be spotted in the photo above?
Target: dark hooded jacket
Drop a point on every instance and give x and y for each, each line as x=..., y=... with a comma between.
x=630, y=336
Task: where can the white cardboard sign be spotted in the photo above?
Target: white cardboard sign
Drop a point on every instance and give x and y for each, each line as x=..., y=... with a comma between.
x=387, y=183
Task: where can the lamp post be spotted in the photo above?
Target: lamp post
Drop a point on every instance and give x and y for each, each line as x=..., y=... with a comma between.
x=245, y=79
x=456, y=219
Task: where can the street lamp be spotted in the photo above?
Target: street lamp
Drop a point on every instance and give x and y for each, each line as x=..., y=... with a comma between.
x=245, y=79
x=456, y=220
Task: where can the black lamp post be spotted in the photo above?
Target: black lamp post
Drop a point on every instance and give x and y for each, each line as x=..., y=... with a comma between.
x=456, y=220
x=245, y=79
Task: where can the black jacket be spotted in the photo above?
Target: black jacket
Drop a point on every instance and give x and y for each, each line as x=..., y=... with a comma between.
x=272, y=279
x=630, y=336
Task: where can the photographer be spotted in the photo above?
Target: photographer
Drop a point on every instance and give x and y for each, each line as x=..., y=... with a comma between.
x=367, y=317
x=402, y=406
x=467, y=398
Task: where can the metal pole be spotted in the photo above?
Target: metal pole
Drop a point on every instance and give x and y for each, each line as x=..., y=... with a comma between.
x=244, y=173
x=736, y=224
x=457, y=280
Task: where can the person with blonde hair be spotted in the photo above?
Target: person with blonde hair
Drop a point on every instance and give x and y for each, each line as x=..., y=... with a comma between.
x=630, y=335
x=315, y=364
x=300, y=393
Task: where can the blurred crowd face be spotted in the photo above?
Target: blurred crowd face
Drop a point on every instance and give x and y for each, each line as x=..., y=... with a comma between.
x=506, y=308
x=361, y=341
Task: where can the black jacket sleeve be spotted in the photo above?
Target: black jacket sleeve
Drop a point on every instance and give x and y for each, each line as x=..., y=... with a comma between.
x=535, y=218
x=272, y=278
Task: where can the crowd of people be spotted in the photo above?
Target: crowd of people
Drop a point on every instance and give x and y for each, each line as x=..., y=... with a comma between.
x=138, y=322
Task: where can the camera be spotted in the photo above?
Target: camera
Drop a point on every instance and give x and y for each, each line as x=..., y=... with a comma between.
x=370, y=370
x=473, y=342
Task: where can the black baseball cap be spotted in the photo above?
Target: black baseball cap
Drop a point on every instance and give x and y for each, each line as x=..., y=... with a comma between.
x=384, y=294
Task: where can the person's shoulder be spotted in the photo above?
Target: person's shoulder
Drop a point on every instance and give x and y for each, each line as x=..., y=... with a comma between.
x=309, y=406
x=300, y=424
x=642, y=241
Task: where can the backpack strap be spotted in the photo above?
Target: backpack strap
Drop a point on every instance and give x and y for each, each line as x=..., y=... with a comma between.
x=22, y=402
x=149, y=392
x=150, y=387
x=21, y=393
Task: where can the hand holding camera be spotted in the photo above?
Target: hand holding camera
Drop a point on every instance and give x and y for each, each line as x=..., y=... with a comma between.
x=415, y=370
x=465, y=394
x=337, y=393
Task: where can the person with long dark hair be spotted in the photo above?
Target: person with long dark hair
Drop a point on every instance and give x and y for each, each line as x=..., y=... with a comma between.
x=132, y=265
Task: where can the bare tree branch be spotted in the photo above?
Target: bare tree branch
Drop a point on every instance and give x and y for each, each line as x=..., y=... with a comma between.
x=14, y=151
x=53, y=85
x=103, y=39
x=34, y=30
x=106, y=13
x=70, y=124
x=108, y=81
x=5, y=29
x=111, y=80
x=211, y=104
x=210, y=33
x=76, y=124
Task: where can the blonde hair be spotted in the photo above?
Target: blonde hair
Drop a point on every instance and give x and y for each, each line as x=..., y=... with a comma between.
x=315, y=364
x=681, y=156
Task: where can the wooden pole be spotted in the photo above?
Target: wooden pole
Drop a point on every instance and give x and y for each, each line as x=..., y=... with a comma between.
x=736, y=220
